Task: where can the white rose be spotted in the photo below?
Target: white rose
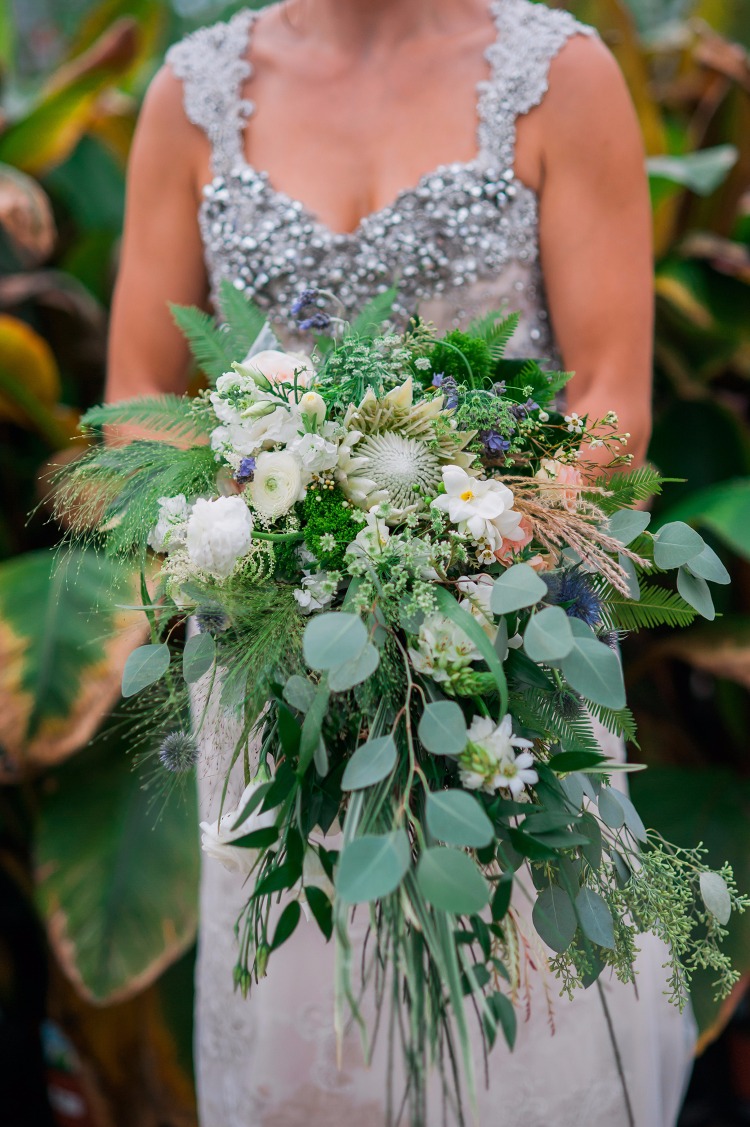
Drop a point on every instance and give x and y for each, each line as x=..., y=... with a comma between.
x=279, y=367
x=312, y=406
x=276, y=484
x=217, y=837
x=218, y=533
x=171, y=526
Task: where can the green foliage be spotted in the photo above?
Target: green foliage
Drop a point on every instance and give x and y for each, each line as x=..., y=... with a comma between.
x=468, y=359
x=173, y=416
x=657, y=606
x=243, y=320
x=211, y=345
x=495, y=331
x=328, y=516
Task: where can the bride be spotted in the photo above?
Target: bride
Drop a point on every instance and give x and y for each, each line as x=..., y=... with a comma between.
x=474, y=153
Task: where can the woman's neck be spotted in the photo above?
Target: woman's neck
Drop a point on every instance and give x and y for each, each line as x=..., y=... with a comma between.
x=369, y=26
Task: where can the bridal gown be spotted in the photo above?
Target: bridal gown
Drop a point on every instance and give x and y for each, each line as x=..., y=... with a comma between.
x=459, y=243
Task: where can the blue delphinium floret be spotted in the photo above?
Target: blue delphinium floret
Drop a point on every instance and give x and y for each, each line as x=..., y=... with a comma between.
x=319, y=320
x=301, y=303
x=521, y=410
x=246, y=471
x=494, y=443
x=572, y=590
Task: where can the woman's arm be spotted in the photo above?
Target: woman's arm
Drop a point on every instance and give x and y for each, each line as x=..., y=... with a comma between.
x=595, y=232
x=162, y=257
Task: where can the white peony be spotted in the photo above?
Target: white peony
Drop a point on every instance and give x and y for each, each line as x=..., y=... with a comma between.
x=218, y=533
x=217, y=837
x=171, y=527
x=277, y=483
x=484, y=509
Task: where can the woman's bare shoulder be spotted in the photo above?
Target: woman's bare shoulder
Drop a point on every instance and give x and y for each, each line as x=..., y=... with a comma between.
x=588, y=98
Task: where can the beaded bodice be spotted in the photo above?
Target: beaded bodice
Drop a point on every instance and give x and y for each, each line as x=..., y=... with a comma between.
x=460, y=242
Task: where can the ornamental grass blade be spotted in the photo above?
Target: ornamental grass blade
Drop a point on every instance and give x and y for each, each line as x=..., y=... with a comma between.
x=474, y=632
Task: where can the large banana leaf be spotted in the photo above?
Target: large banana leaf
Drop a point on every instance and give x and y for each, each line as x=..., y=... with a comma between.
x=62, y=649
x=118, y=870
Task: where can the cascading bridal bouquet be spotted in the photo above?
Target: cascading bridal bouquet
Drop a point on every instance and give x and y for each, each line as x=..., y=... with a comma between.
x=409, y=581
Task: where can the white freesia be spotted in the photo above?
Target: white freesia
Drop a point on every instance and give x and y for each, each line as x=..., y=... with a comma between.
x=316, y=592
x=477, y=590
x=217, y=837
x=482, y=508
x=491, y=762
x=171, y=526
x=219, y=532
x=373, y=537
x=277, y=483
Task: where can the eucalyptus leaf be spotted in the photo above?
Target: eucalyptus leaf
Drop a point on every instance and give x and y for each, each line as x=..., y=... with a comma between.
x=633, y=820
x=332, y=639
x=144, y=666
x=594, y=671
x=451, y=881
x=442, y=728
x=627, y=524
x=708, y=566
x=517, y=588
x=716, y=896
x=696, y=592
x=548, y=637
x=457, y=818
x=595, y=918
x=675, y=544
x=372, y=866
x=627, y=565
x=299, y=692
x=610, y=810
x=356, y=671
x=702, y=172
x=198, y=656
x=554, y=918
x=371, y=762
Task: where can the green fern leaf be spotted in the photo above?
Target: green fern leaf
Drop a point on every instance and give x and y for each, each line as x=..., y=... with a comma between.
x=243, y=318
x=657, y=606
x=537, y=709
x=369, y=321
x=495, y=330
x=627, y=489
x=211, y=346
x=173, y=415
x=620, y=721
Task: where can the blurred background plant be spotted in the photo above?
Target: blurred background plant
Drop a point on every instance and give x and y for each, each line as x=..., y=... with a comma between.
x=98, y=895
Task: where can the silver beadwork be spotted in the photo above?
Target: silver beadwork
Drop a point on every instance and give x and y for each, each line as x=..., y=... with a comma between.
x=461, y=226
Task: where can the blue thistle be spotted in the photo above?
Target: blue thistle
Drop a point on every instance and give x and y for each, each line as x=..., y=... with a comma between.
x=210, y=619
x=178, y=752
x=246, y=471
x=572, y=590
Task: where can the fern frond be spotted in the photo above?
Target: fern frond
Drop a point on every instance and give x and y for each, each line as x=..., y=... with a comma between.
x=211, y=346
x=536, y=709
x=626, y=489
x=244, y=320
x=495, y=330
x=620, y=721
x=369, y=321
x=175, y=415
x=657, y=606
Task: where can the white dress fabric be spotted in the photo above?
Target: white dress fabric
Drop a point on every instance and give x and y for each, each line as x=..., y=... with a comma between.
x=459, y=243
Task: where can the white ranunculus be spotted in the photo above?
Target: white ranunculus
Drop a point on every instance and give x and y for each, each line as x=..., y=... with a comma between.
x=277, y=483
x=217, y=837
x=219, y=532
x=476, y=506
x=170, y=529
x=280, y=367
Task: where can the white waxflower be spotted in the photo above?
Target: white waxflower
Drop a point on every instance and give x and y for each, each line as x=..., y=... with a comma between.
x=170, y=529
x=277, y=483
x=217, y=837
x=477, y=506
x=490, y=760
x=315, y=592
x=218, y=533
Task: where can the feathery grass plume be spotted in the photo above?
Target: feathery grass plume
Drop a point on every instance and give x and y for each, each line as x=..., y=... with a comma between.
x=557, y=529
x=118, y=488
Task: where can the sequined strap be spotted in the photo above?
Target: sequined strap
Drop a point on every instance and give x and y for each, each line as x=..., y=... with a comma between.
x=212, y=64
x=529, y=36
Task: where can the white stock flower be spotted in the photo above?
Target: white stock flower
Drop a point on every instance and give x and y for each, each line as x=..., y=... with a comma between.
x=218, y=533
x=315, y=592
x=277, y=483
x=217, y=837
x=477, y=591
x=490, y=761
x=170, y=529
x=316, y=453
x=484, y=509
